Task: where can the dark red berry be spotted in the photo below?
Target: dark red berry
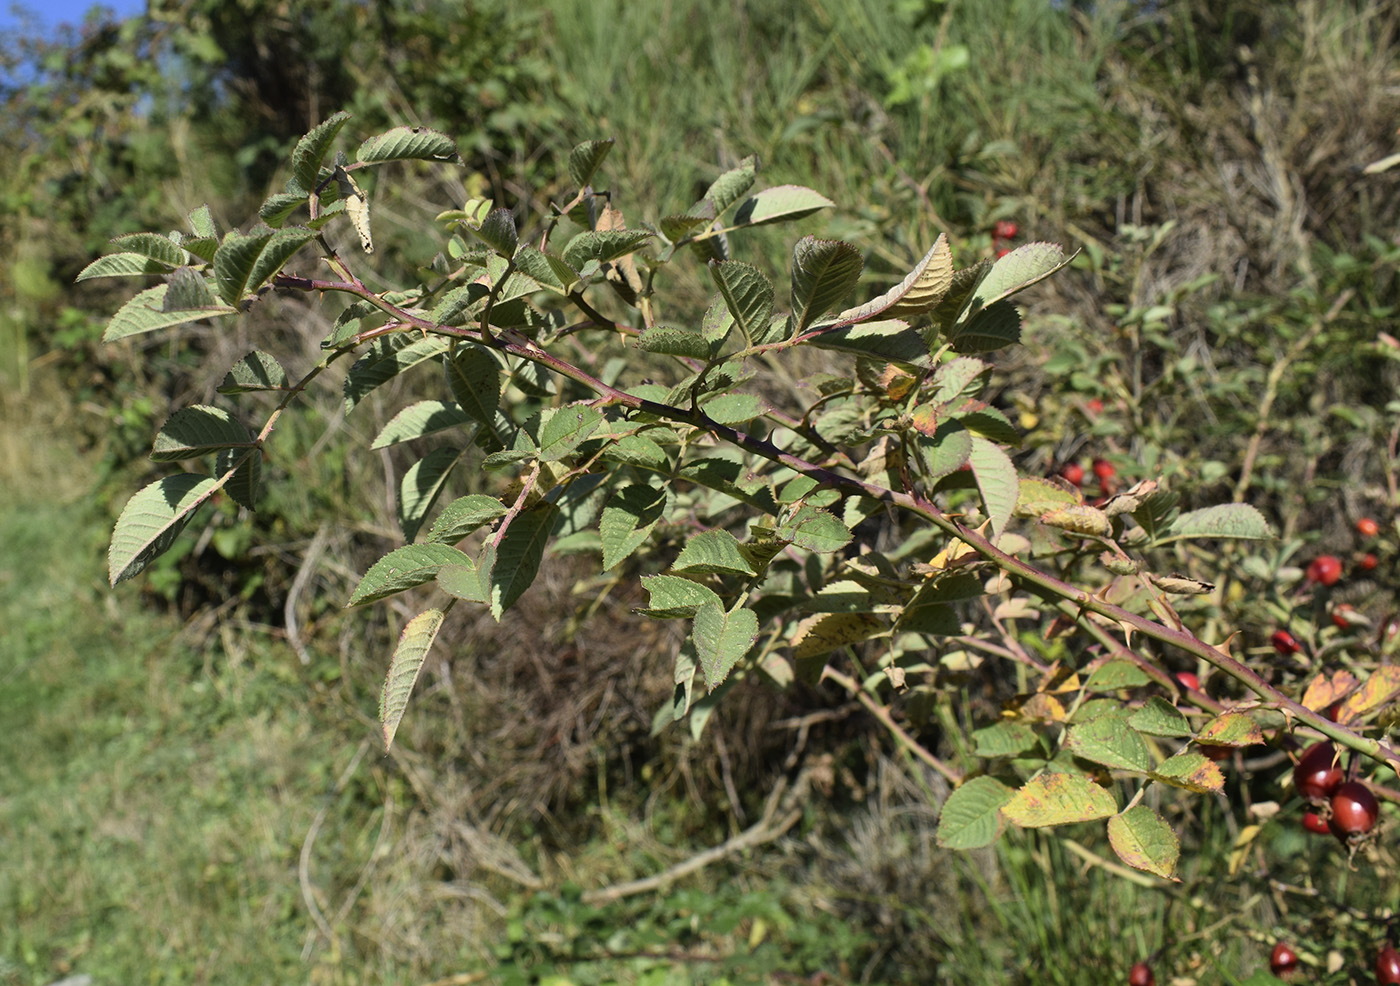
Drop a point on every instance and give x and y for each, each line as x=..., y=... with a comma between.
x=1002, y=251
x=1188, y=680
x=1368, y=561
x=1282, y=960
x=1325, y=570
x=1005, y=229
x=1104, y=470
x=1095, y=406
x=1367, y=527
x=1285, y=643
x=1388, y=965
x=1355, y=810
x=1314, y=822
x=1073, y=472
x=1141, y=975
x=1318, y=774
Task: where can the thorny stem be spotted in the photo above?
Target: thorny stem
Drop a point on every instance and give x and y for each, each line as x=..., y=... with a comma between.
x=1022, y=573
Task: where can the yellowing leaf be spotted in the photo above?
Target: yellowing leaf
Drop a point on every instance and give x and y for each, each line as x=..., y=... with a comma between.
x=1322, y=691
x=1057, y=799
x=1143, y=839
x=1375, y=692
x=827, y=631
x=1231, y=729
x=1192, y=771
x=1239, y=852
x=408, y=658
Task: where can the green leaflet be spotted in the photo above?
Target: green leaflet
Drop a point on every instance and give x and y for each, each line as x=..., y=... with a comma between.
x=145, y=313
x=823, y=272
x=311, y=151
x=713, y=553
x=585, y=159
x=464, y=515
x=747, y=294
x=781, y=203
x=152, y=245
x=517, y=557
x=628, y=519
x=1144, y=840
x=386, y=360
x=151, y=520
x=1225, y=520
x=404, y=568
x=408, y=143
x=922, y=289
x=722, y=639
x=971, y=817
x=121, y=265
x=566, y=428
x=1057, y=799
x=997, y=481
x=673, y=597
x=603, y=245
x=498, y=232
x=194, y=431
x=474, y=377
x=419, y=419
x=234, y=262
x=420, y=487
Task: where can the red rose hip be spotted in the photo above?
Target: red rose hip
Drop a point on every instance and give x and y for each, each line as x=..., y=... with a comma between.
x=1318, y=774
x=1141, y=975
x=1355, y=810
x=1367, y=527
x=1285, y=643
x=1282, y=960
x=1315, y=823
x=1388, y=965
x=1324, y=570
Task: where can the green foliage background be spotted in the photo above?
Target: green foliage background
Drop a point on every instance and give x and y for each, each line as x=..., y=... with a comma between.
x=192, y=799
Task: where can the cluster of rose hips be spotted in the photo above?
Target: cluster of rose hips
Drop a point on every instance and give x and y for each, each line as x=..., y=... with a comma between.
x=1283, y=962
x=1073, y=472
x=1346, y=808
x=1002, y=234
x=1327, y=571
